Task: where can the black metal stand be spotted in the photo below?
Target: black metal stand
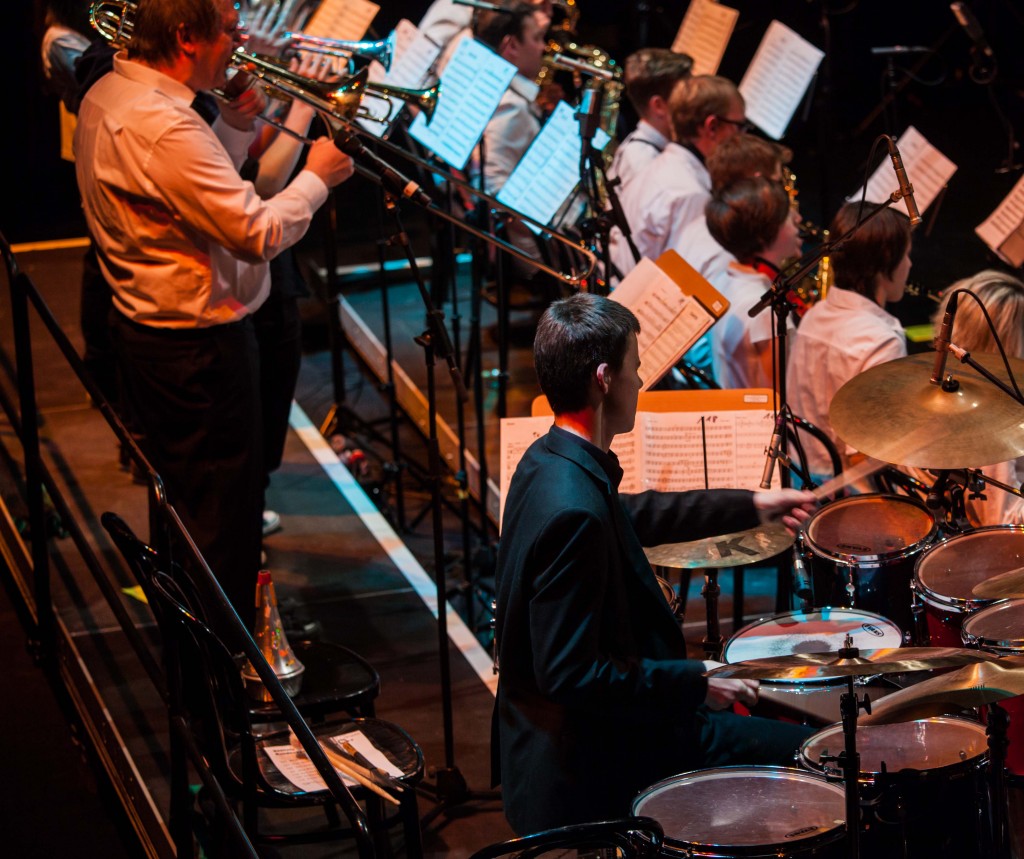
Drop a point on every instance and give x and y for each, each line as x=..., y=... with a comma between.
x=998, y=721
x=713, y=637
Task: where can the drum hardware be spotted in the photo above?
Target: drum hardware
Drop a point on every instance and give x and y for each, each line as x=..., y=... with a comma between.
x=915, y=423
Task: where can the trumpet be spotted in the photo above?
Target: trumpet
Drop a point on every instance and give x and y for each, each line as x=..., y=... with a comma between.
x=382, y=51
x=597, y=67
x=113, y=20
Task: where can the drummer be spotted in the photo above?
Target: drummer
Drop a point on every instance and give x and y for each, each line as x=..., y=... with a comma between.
x=596, y=699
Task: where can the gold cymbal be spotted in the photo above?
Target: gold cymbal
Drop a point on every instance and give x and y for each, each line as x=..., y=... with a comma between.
x=894, y=413
x=818, y=666
x=1008, y=585
x=971, y=686
x=727, y=550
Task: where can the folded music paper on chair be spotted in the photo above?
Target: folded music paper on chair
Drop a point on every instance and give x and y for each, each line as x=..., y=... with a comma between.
x=299, y=770
x=679, y=436
x=342, y=19
x=1003, y=230
x=472, y=85
x=549, y=171
x=675, y=306
x=705, y=33
x=778, y=77
x=928, y=170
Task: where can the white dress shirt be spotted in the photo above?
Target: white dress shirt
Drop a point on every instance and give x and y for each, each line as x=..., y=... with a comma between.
x=183, y=240
x=510, y=132
x=737, y=340
x=443, y=20
x=840, y=337
x=638, y=149
x=663, y=198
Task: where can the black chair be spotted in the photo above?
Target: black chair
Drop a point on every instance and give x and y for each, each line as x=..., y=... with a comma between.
x=336, y=679
x=630, y=837
x=205, y=677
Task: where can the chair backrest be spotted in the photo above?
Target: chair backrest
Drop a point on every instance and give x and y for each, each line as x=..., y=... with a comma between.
x=632, y=837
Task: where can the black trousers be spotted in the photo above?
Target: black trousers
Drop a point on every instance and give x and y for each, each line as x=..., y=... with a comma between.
x=196, y=397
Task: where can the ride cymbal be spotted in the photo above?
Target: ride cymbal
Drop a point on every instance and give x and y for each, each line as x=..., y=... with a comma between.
x=894, y=413
x=727, y=550
x=1008, y=585
x=818, y=666
x=971, y=686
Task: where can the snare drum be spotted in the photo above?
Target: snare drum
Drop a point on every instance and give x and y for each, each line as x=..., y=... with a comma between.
x=947, y=573
x=1000, y=629
x=919, y=783
x=862, y=551
x=747, y=812
x=814, y=631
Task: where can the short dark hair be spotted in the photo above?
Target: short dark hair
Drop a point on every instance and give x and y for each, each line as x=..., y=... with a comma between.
x=575, y=336
x=696, y=98
x=654, y=71
x=743, y=156
x=492, y=27
x=875, y=249
x=155, y=30
x=745, y=217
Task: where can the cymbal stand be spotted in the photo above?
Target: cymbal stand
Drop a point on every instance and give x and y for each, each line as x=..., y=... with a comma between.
x=997, y=723
x=713, y=638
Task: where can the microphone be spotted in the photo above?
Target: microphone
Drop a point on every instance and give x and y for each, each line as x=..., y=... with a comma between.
x=589, y=112
x=802, y=588
x=965, y=18
x=942, y=339
x=906, y=189
x=392, y=181
x=772, y=452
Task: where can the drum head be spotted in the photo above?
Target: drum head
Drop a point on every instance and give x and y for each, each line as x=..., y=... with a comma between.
x=947, y=573
x=999, y=627
x=926, y=744
x=817, y=631
x=869, y=528
x=745, y=807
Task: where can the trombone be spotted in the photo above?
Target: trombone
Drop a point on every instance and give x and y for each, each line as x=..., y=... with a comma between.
x=338, y=105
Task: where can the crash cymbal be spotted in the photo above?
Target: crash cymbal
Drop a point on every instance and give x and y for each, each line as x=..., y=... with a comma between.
x=894, y=413
x=818, y=666
x=727, y=550
x=971, y=686
x=1008, y=585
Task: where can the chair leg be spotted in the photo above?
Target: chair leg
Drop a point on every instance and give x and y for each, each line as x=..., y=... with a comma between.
x=411, y=825
x=375, y=815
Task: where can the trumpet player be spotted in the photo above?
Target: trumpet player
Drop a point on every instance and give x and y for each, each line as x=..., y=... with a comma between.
x=184, y=243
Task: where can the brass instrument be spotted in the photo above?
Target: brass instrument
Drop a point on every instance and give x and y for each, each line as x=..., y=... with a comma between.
x=382, y=51
x=811, y=288
x=338, y=105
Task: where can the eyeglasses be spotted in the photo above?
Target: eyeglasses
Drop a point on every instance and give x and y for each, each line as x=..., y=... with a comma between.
x=743, y=126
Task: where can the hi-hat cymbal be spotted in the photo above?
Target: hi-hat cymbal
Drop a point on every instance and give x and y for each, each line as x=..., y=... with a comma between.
x=818, y=666
x=727, y=550
x=1008, y=585
x=971, y=686
x=894, y=413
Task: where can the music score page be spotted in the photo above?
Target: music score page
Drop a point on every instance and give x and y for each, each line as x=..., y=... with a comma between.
x=705, y=33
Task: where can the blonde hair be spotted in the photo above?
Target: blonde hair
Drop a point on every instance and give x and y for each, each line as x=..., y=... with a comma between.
x=696, y=98
x=1003, y=297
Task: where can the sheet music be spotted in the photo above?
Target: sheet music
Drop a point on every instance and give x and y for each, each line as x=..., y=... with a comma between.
x=1003, y=230
x=705, y=33
x=517, y=434
x=549, y=171
x=472, y=85
x=928, y=170
x=299, y=769
x=414, y=55
x=670, y=320
x=342, y=19
x=778, y=77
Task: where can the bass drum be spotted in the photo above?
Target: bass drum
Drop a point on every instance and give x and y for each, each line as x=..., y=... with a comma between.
x=747, y=812
x=862, y=552
x=912, y=775
x=816, y=631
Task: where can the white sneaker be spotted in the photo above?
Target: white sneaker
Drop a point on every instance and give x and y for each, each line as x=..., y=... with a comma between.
x=271, y=522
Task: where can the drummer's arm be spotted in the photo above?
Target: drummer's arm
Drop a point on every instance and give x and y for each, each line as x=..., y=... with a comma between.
x=677, y=517
x=723, y=692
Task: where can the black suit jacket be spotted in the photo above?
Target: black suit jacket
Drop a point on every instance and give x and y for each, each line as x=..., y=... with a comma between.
x=596, y=699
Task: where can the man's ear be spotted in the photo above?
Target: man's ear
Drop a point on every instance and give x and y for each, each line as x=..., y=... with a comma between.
x=186, y=40
x=603, y=374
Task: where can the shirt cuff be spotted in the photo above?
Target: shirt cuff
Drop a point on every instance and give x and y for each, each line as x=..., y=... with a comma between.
x=311, y=187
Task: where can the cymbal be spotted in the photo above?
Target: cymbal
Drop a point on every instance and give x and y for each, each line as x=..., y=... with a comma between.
x=892, y=412
x=726, y=550
x=814, y=666
x=971, y=686
x=1008, y=585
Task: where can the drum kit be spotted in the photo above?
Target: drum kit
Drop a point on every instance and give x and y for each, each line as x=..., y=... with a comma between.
x=912, y=774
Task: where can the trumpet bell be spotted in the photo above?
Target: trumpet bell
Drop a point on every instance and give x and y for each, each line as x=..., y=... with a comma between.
x=424, y=99
x=382, y=51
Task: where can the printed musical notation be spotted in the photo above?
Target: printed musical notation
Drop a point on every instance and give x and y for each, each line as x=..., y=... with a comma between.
x=668, y=451
x=705, y=33
x=472, y=85
x=342, y=19
x=1003, y=230
x=928, y=170
x=778, y=77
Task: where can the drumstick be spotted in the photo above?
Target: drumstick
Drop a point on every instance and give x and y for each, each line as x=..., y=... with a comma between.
x=861, y=470
x=349, y=768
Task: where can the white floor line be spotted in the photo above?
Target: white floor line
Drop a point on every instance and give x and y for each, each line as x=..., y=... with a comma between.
x=458, y=633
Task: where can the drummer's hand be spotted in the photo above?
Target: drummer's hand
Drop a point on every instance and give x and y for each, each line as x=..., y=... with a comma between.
x=792, y=507
x=723, y=693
